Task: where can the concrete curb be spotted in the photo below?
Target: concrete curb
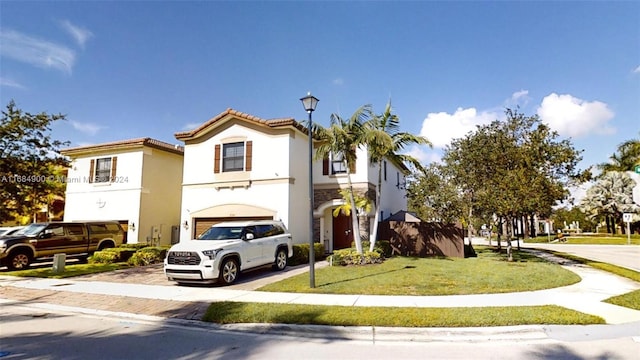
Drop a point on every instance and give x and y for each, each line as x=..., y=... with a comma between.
x=525, y=333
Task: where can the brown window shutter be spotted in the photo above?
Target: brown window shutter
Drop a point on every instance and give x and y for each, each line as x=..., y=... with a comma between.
x=91, y=168
x=216, y=160
x=114, y=166
x=325, y=166
x=249, y=151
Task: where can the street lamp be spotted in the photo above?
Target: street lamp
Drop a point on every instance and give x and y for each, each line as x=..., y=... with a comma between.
x=309, y=102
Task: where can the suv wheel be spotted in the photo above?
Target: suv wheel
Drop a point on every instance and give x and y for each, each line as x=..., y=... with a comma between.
x=229, y=271
x=18, y=260
x=281, y=260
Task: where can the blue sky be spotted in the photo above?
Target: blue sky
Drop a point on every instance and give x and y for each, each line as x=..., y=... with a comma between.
x=122, y=70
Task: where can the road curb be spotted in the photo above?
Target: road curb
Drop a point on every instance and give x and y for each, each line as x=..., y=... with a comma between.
x=527, y=333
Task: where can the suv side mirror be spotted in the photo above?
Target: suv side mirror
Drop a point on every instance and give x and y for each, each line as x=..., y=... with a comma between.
x=249, y=236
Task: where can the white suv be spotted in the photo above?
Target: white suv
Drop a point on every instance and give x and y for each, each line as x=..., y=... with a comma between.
x=226, y=249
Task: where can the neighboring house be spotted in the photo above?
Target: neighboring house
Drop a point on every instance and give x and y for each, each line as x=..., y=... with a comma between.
x=238, y=166
x=136, y=182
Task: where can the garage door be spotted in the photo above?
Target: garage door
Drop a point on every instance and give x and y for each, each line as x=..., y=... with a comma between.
x=202, y=224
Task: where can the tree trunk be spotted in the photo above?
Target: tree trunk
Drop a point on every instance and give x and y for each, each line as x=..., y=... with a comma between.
x=354, y=214
x=509, y=236
x=376, y=217
x=500, y=232
x=469, y=226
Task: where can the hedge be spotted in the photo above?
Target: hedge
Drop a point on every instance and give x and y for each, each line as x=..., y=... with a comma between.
x=301, y=253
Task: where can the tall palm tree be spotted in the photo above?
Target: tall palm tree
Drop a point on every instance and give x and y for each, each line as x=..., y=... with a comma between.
x=343, y=137
x=625, y=158
x=384, y=140
x=610, y=196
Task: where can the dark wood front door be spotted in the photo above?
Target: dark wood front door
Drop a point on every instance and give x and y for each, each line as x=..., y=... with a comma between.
x=342, y=233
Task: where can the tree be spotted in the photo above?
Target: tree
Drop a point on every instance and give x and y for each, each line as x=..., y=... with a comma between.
x=434, y=197
x=29, y=161
x=625, y=158
x=512, y=168
x=343, y=137
x=384, y=140
x=610, y=197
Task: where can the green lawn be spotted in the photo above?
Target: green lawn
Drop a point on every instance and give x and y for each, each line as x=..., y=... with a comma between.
x=69, y=270
x=590, y=240
x=488, y=273
x=238, y=312
x=630, y=300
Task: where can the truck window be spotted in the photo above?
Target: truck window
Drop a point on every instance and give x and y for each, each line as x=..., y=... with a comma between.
x=75, y=229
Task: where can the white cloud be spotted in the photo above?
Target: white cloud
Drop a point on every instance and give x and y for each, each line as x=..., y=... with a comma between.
x=79, y=34
x=520, y=95
x=637, y=70
x=11, y=83
x=440, y=128
x=424, y=154
x=338, y=81
x=86, y=128
x=36, y=52
x=574, y=117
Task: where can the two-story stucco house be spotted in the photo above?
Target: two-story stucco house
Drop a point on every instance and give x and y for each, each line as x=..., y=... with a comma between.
x=136, y=182
x=238, y=166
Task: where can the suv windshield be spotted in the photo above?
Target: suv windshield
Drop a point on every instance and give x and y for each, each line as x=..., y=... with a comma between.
x=222, y=233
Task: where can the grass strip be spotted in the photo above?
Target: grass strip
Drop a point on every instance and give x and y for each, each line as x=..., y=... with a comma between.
x=227, y=312
x=614, y=269
x=630, y=300
x=488, y=273
x=69, y=270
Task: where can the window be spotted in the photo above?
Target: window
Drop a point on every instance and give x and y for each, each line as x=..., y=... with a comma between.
x=338, y=165
x=75, y=229
x=234, y=156
x=103, y=170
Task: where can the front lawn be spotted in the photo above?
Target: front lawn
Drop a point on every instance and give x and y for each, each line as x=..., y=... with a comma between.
x=589, y=240
x=240, y=312
x=488, y=273
x=69, y=270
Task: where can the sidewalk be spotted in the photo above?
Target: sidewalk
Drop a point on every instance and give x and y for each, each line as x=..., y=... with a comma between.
x=190, y=302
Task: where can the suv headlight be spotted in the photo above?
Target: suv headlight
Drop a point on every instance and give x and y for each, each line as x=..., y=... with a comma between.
x=211, y=254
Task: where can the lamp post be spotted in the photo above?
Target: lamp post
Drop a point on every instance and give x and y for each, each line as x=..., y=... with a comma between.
x=309, y=102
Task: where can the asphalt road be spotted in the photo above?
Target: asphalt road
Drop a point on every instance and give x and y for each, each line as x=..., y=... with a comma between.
x=622, y=255
x=53, y=334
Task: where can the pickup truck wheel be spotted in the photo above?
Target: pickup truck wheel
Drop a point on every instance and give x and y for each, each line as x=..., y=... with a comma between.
x=281, y=260
x=19, y=260
x=229, y=271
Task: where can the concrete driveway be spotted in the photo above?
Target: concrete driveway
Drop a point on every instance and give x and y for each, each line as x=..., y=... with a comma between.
x=622, y=255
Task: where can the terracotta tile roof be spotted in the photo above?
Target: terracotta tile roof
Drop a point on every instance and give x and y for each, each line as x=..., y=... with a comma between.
x=124, y=144
x=272, y=123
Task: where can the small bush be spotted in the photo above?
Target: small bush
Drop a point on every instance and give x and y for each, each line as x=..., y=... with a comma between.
x=301, y=253
x=346, y=257
x=148, y=256
x=382, y=246
x=103, y=257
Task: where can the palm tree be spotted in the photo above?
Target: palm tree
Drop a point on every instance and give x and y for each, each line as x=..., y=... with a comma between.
x=625, y=158
x=610, y=196
x=343, y=137
x=384, y=141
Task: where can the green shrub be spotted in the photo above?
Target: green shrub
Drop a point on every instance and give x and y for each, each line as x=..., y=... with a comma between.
x=103, y=257
x=148, y=256
x=382, y=246
x=136, y=246
x=346, y=257
x=301, y=253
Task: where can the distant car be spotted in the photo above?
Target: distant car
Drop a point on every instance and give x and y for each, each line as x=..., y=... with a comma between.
x=228, y=248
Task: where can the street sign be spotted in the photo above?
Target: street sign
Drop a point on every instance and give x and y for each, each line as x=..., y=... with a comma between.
x=626, y=217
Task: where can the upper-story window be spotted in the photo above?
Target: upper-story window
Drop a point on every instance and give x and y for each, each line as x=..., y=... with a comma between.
x=338, y=165
x=102, y=170
x=233, y=156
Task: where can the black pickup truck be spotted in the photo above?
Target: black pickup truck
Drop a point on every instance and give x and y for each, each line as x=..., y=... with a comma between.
x=46, y=239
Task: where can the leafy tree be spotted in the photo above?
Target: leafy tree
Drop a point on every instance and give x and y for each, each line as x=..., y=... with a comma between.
x=512, y=168
x=625, y=158
x=384, y=140
x=434, y=197
x=344, y=137
x=574, y=214
x=29, y=161
x=610, y=197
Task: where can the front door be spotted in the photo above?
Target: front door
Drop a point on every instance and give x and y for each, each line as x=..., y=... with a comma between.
x=342, y=232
